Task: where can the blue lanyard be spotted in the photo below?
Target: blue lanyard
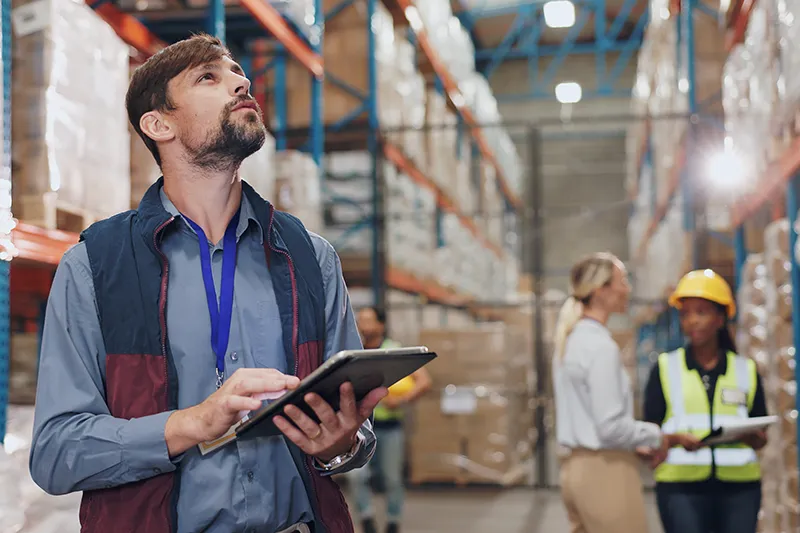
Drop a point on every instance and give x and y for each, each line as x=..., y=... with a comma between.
x=220, y=315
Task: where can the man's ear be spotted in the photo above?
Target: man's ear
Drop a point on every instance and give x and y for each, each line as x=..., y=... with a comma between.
x=157, y=126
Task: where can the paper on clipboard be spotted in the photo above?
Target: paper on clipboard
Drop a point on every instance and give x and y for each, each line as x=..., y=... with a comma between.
x=734, y=431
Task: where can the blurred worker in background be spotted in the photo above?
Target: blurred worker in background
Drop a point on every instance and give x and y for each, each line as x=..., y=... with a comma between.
x=143, y=367
x=389, y=457
x=706, y=489
x=600, y=473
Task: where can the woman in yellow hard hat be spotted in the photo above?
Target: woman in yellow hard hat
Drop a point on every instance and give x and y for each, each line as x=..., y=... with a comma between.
x=704, y=385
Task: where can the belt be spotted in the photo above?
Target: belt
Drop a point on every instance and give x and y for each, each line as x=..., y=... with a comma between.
x=297, y=528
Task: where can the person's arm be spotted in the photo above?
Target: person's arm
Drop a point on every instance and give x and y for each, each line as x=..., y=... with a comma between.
x=655, y=404
x=77, y=444
x=342, y=334
x=616, y=427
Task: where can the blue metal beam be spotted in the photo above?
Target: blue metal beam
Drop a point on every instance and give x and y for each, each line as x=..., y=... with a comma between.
x=619, y=21
x=517, y=28
x=625, y=55
x=601, y=39
x=552, y=50
x=548, y=95
x=564, y=49
x=215, y=24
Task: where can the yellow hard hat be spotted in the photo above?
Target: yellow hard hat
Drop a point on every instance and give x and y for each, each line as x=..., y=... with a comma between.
x=402, y=387
x=705, y=284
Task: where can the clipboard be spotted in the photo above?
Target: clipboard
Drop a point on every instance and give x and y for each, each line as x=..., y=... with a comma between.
x=366, y=370
x=734, y=431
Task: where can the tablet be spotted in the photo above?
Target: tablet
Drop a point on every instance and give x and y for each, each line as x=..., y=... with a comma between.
x=365, y=369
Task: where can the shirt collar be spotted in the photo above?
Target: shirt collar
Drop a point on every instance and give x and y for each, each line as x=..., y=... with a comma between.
x=246, y=216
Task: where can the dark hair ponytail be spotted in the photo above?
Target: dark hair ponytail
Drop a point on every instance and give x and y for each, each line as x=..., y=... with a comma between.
x=725, y=340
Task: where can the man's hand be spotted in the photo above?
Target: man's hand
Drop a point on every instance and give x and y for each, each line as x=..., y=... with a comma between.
x=336, y=434
x=212, y=418
x=756, y=440
x=655, y=456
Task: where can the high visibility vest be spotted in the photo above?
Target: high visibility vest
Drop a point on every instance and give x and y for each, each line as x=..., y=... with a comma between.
x=688, y=411
x=381, y=413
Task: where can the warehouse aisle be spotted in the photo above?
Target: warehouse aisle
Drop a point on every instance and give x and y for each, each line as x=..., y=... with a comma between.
x=473, y=511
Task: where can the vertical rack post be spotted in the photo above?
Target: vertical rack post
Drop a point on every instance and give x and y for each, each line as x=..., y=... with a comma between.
x=740, y=253
x=373, y=130
x=281, y=111
x=215, y=23
x=791, y=214
x=687, y=61
x=5, y=180
x=317, y=127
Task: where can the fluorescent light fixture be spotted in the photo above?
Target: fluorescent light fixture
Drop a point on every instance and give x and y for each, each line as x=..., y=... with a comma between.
x=569, y=92
x=727, y=171
x=559, y=14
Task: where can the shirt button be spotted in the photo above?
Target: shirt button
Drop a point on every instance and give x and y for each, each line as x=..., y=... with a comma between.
x=234, y=356
x=250, y=476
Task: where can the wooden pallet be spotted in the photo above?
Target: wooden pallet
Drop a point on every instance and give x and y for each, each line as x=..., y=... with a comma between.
x=48, y=212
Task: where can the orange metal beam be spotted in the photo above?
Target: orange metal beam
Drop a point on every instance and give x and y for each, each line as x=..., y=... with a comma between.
x=402, y=163
x=41, y=245
x=274, y=23
x=775, y=181
x=738, y=23
x=130, y=30
x=455, y=97
x=403, y=281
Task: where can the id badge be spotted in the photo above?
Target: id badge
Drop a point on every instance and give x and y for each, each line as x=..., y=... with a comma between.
x=733, y=397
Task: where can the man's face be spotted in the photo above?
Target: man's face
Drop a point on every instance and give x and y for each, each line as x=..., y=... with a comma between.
x=216, y=120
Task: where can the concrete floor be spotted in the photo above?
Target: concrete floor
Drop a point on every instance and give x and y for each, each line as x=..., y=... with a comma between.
x=485, y=511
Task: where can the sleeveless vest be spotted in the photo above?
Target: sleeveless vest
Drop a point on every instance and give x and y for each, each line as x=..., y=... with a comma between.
x=131, y=275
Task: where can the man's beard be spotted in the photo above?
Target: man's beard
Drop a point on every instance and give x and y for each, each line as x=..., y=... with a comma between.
x=232, y=143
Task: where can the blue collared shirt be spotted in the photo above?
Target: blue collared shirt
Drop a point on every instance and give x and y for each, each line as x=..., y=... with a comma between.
x=78, y=445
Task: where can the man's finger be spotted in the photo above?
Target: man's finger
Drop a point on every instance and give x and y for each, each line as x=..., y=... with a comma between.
x=292, y=433
x=347, y=402
x=250, y=385
x=324, y=412
x=311, y=429
x=234, y=404
x=370, y=401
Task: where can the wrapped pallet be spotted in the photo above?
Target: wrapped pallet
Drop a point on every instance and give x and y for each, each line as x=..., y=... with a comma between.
x=774, y=351
x=477, y=424
x=70, y=137
x=297, y=188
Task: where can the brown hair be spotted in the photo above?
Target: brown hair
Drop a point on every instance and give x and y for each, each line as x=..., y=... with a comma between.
x=148, y=89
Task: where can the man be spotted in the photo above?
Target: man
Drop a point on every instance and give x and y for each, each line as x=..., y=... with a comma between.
x=388, y=426
x=141, y=368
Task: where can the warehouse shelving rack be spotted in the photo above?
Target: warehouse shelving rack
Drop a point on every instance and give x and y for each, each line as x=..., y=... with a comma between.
x=46, y=247
x=5, y=170
x=782, y=179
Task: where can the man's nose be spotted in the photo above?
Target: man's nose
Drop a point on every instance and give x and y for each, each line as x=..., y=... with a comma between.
x=241, y=85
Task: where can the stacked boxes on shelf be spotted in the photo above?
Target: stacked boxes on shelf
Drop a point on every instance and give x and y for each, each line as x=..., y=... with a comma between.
x=297, y=187
x=765, y=334
x=70, y=140
x=477, y=424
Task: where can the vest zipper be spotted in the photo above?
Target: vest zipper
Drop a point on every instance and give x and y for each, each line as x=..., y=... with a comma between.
x=295, y=340
x=162, y=300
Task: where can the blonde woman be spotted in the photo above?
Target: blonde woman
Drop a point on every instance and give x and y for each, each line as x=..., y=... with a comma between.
x=600, y=475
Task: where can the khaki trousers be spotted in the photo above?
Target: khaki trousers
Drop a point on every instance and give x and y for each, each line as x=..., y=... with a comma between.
x=602, y=491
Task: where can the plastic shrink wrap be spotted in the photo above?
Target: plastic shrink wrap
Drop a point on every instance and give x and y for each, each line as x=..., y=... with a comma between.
x=766, y=335
x=297, y=188
x=70, y=141
x=24, y=507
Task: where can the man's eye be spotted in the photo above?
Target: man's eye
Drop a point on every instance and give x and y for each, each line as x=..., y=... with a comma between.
x=206, y=76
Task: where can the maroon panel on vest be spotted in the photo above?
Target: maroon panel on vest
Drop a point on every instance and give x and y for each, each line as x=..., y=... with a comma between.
x=136, y=385
x=133, y=508
x=331, y=503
